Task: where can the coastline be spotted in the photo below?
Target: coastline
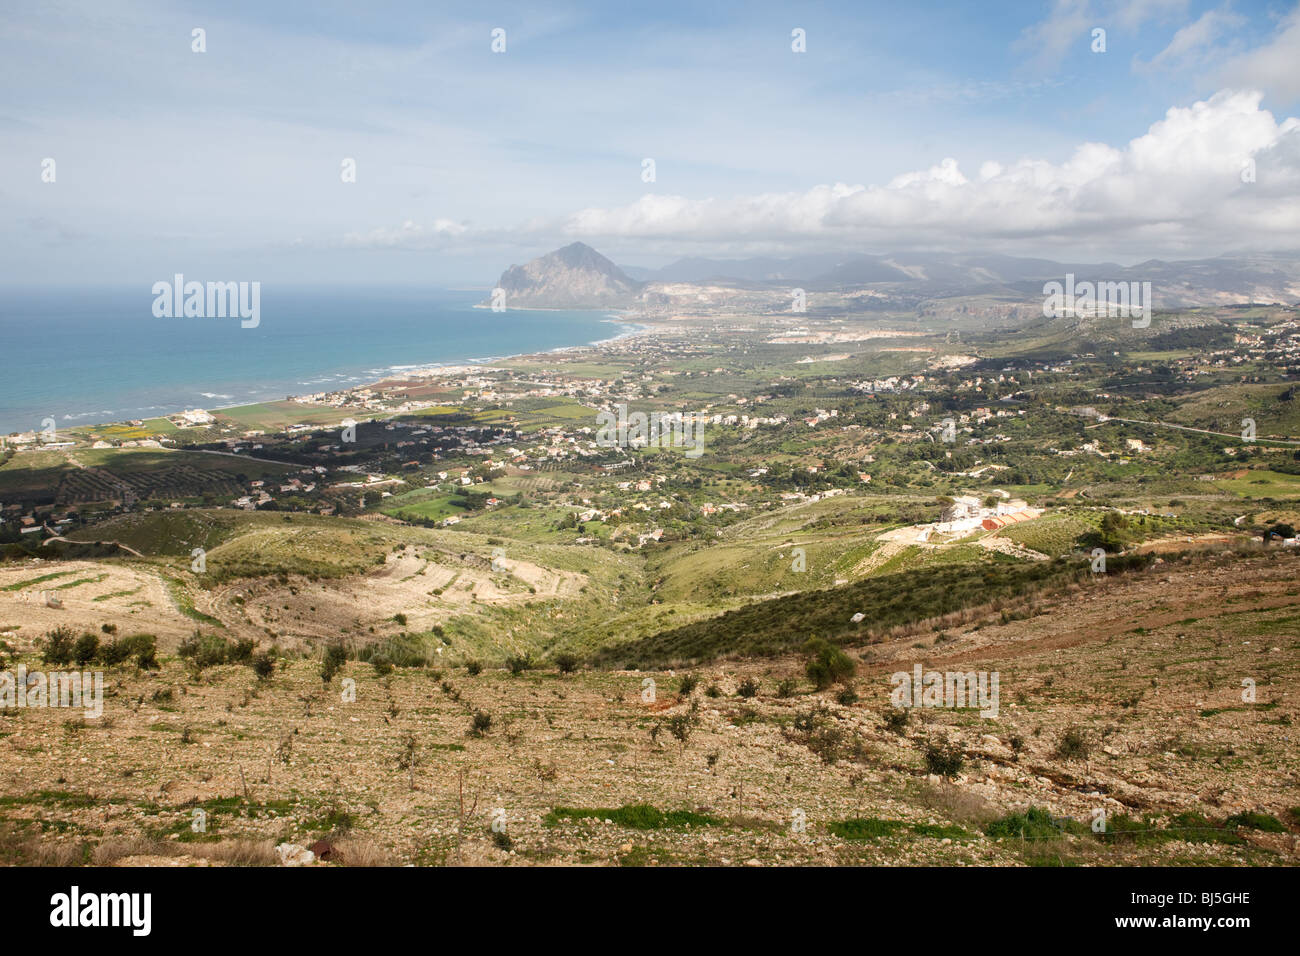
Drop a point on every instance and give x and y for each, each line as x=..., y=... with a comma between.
x=432, y=369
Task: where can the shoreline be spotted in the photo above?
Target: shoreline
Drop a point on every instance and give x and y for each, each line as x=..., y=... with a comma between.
x=411, y=372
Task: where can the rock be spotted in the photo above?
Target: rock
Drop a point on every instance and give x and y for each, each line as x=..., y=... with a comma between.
x=291, y=854
x=323, y=849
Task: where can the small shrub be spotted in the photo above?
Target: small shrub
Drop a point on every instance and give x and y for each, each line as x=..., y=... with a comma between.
x=473, y=667
x=263, y=666
x=1264, y=822
x=944, y=758
x=205, y=650
x=1073, y=745
x=681, y=726
x=335, y=657
x=748, y=688
x=687, y=684
x=896, y=719
x=566, y=663
x=382, y=665
x=482, y=723
x=145, y=648
x=58, y=646
x=241, y=652
x=1034, y=824
x=827, y=664
x=518, y=663
x=86, y=649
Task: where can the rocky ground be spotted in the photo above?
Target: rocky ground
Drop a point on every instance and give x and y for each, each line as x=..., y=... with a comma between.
x=1124, y=697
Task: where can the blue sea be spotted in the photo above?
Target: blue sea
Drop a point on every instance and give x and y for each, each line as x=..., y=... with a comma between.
x=85, y=357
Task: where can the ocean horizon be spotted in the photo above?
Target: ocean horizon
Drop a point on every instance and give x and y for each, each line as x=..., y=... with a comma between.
x=92, y=356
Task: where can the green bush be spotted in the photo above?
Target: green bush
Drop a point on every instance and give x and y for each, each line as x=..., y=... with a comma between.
x=58, y=646
x=827, y=664
x=205, y=650
x=86, y=649
x=336, y=656
x=145, y=649
x=944, y=757
x=1034, y=824
x=1073, y=745
x=634, y=816
x=896, y=719
x=263, y=666
x=1256, y=821
x=566, y=663
x=240, y=652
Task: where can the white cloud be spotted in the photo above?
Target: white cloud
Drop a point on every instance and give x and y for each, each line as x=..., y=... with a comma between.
x=408, y=234
x=1272, y=67
x=1069, y=22
x=1131, y=14
x=1192, y=42
x=1176, y=188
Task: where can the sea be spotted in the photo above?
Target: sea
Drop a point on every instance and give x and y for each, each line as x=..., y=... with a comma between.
x=86, y=356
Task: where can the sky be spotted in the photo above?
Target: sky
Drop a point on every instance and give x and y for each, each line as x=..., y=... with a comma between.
x=921, y=126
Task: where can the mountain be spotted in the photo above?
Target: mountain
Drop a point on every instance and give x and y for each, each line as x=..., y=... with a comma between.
x=575, y=277
x=578, y=277
x=1226, y=279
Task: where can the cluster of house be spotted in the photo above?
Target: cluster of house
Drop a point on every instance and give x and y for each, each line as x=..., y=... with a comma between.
x=192, y=418
x=967, y=513
x=30, y=523
x=33, y=441
x=258, y=494
x=894, y=383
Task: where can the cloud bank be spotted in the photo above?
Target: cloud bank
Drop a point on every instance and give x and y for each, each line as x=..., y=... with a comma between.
x=1220, y=174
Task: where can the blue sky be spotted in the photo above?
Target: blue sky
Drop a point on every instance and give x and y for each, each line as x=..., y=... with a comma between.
x=921, y=125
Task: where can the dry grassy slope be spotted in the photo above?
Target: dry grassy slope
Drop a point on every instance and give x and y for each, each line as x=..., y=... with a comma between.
x=298, y=580
x=1148, y=667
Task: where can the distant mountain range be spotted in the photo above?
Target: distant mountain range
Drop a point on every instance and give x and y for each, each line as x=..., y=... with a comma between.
x=577, y=276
